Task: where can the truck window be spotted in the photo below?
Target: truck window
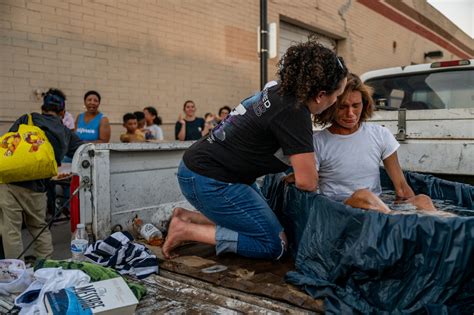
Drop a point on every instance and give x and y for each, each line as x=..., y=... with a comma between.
x=435, y=90
x=454, y=88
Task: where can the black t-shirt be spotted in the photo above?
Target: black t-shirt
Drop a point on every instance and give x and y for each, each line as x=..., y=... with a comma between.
x=244, y=146
x=193, y=129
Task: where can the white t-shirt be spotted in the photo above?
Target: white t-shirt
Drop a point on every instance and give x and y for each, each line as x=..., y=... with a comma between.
x=347, y=163
x=68, y=120
x=155, y=131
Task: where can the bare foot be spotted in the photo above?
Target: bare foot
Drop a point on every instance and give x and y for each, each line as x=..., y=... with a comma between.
x=190, y=216
x=176, y=232
x=181, y=213
x=422, y=202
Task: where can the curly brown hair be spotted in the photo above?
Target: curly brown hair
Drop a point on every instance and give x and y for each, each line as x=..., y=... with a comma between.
x=354, y=83
x=309, y=68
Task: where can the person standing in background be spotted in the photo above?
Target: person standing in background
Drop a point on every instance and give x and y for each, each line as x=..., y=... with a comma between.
x=140, y=120
x=68, y=120
x=224, y=111
x=210, y=121
x=26, y=201
x=190, y=127
x=92, y=125
x=133, y=134
x=153, y=122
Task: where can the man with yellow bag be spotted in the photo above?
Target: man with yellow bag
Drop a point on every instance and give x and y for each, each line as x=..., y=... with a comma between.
x=29, y=156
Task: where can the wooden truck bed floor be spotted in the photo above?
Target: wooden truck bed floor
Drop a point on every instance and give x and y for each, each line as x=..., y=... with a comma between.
x=197, y=281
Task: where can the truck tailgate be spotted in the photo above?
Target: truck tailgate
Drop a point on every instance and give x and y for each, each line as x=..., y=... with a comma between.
x=122, y=180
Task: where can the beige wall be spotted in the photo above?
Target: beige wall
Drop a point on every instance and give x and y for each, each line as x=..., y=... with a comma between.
x=138, y=53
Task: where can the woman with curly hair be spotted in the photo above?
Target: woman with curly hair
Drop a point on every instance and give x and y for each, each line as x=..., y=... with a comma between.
x=265, y=133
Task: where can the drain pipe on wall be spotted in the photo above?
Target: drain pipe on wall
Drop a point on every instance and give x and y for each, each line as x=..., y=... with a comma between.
x=263, y=43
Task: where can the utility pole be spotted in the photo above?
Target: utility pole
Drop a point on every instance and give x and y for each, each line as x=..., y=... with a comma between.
x=263, y=43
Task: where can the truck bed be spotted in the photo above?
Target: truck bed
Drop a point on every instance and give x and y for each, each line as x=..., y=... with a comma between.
x=120, y=181
x=186, y=284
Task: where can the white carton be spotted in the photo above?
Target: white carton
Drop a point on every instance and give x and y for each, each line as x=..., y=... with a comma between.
x=111, y=296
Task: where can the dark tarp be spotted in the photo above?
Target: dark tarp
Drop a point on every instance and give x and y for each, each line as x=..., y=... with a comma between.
x=362, y=261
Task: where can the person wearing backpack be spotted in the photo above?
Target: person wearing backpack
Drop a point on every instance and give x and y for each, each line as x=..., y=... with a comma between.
x=27, y=199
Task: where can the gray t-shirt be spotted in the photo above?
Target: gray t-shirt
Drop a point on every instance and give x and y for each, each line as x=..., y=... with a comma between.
x=347, y=163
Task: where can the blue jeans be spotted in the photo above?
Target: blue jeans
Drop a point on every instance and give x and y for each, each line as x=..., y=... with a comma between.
x=245, y=224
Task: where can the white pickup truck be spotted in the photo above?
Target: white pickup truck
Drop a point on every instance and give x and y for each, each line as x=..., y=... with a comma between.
x=430, y=109
x=119, y=181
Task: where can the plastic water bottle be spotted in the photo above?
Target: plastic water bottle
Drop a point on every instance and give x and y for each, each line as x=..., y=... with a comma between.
x=79, y=243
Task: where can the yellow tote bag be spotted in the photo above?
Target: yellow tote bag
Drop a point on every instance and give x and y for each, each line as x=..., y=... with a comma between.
x=26, y=155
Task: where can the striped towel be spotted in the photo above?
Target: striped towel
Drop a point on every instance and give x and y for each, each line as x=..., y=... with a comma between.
x=119, y=252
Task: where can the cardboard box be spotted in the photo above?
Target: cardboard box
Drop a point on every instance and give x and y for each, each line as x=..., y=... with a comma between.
x=111, y=296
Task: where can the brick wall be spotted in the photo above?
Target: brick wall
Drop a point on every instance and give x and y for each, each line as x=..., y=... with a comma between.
x=162, y=52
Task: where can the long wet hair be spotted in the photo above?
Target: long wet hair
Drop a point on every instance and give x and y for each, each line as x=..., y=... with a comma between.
x=309, y=68
x=354, y=83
